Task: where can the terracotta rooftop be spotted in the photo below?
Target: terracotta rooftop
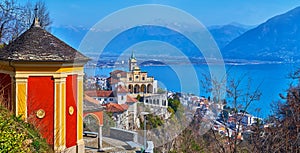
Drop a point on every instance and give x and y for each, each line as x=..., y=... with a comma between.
x=115, y=108
x=91, y=105
x=99, y=93
x=90, y=99
x=124, y=106
x=38, y=45
x=116, y=72
x=130, y=99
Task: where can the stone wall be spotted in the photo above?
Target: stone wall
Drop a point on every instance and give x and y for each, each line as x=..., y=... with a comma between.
x=123, y=135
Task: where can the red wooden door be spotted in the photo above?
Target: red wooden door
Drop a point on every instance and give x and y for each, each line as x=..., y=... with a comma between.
x=40, y=105
x=71, y=110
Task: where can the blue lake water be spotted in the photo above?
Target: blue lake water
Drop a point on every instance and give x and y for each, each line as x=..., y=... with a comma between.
x=271, y=79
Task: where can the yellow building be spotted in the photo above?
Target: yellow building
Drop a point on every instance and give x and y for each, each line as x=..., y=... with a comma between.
x=44, y=84
x=139, y=83
x=135, y=81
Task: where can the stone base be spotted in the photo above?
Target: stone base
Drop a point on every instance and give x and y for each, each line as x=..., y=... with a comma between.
x=80, y=146
x=71, y=150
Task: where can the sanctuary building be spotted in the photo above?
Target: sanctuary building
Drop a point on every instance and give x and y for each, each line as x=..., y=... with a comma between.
x=139, y=84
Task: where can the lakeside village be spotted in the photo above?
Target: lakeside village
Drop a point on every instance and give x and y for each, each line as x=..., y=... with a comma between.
x=128, y=96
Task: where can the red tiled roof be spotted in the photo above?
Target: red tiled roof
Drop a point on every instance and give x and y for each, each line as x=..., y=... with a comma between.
x=124, y=106
x=99, y=93
x=90, y=99
x=114, y=108
x=116, y=72
x=121, y=89
x=130, y=99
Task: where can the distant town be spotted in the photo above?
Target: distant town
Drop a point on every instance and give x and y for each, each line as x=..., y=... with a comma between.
x=130, y=96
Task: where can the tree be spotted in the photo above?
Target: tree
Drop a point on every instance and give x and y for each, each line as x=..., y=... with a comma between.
x=39, y=10
x=15, y=18
x=9, y=20
x=281, y=132
x=240, y=95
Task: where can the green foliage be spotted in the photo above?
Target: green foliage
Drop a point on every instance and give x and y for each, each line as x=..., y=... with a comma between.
x=174, y=103
x=160, y=91
x=138, y=97
x=153, y=121
x=17, y=136
x=176, y=108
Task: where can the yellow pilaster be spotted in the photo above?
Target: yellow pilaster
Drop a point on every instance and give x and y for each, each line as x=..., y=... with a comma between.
x=21, y=97
x=80, y=142
x=59, y=114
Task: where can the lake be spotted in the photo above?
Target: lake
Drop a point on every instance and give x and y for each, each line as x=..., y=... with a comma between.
x=271, y=79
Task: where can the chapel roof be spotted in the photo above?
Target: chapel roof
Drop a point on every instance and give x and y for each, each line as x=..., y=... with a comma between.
x=38, y=45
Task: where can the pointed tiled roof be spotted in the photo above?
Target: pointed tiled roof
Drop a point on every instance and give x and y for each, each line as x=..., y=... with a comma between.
x=130, y=99
x=124, y=106
x=116, y=72
x=114, y=108
x=90, y=99
x=99, y=93
x=91, y=105
x=38, y=45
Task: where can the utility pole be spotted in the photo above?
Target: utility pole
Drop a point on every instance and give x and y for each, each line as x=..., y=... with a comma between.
x=145, y=129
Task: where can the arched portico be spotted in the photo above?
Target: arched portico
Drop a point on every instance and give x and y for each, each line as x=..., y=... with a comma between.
x=143, y=88
x=130, y=88
x=136, y=88
x=149, y=88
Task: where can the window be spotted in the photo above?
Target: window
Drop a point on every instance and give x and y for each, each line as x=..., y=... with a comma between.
x=137, y=77
x=143, y=78
x=130, y=78
x=164, y=103
x=122, y=97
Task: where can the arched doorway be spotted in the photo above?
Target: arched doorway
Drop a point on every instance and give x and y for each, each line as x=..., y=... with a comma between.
x=149, y=88
x=143, y=88
x=92, y=123
x=136, y=88
x=130, y=88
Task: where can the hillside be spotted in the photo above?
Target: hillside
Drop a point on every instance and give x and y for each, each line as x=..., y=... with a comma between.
x=275, y=40
x=17, y=136
x=226, y=33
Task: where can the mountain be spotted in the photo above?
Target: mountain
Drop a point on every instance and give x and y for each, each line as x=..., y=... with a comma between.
x=226, y=33
x=70, y=34
x=277, y=39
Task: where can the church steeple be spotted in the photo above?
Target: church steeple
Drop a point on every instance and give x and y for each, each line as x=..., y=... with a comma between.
x=132, y=62
x=132, y=55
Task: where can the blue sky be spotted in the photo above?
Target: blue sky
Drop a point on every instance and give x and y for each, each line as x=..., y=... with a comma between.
x=213, y=12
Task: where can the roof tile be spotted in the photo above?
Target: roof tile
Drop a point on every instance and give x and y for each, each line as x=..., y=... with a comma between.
x=99, y=93
x=38, y=45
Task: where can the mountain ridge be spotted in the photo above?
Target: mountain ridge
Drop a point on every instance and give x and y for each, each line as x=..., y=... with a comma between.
x=274, y=40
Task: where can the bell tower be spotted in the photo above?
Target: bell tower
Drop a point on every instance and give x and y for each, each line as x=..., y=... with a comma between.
x=132, y=62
